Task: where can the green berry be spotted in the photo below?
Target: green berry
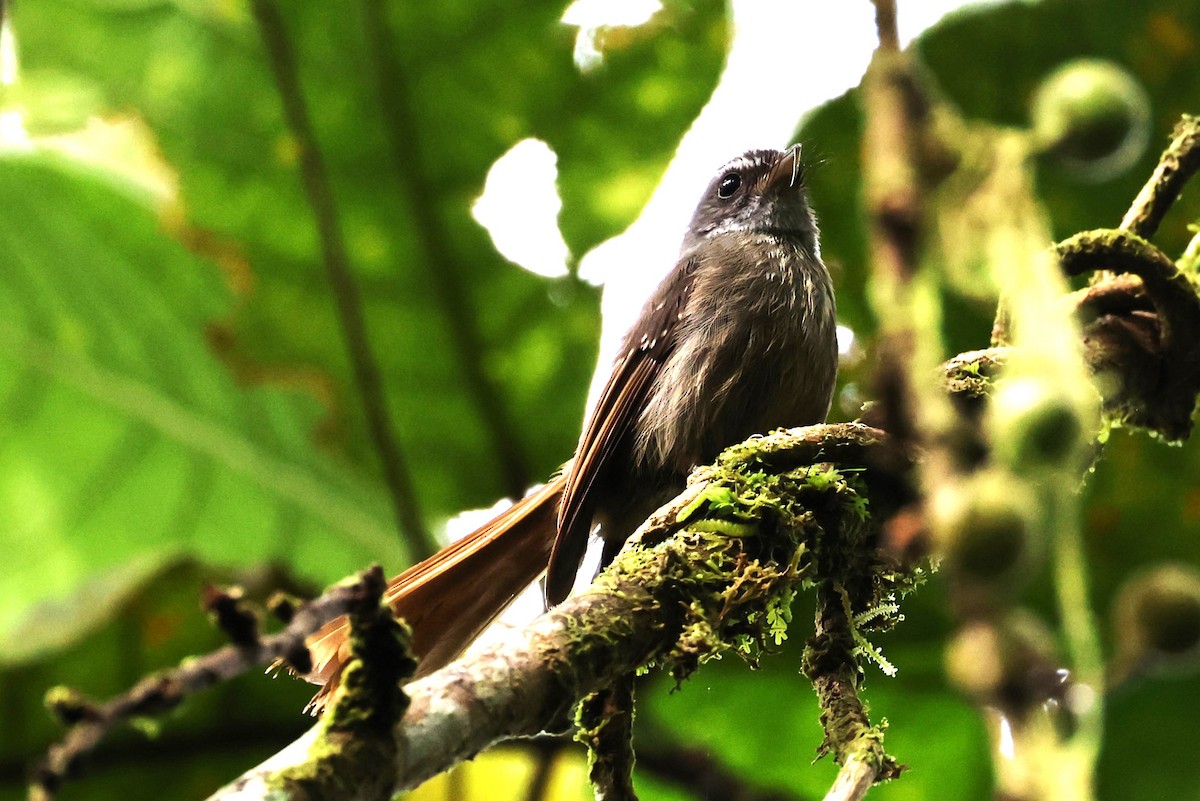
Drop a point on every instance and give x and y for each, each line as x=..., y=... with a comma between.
x=1158, y=613
x=1034, y=425
x=1093, y=116
x=985, y=525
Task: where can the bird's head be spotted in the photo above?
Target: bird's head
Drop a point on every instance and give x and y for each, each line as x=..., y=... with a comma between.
x=759, y=191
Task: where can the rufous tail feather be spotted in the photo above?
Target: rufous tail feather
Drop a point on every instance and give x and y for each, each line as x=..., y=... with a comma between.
x=452, y=596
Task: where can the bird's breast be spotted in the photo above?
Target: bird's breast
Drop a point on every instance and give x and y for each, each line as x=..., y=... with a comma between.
x=755, y=350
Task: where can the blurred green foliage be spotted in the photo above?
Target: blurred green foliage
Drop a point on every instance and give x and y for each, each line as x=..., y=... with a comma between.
x=176, y=404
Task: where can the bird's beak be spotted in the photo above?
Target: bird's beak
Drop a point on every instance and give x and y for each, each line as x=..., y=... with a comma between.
x=786, y=172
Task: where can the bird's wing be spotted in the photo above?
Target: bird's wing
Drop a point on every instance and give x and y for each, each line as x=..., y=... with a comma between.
x=646, y=348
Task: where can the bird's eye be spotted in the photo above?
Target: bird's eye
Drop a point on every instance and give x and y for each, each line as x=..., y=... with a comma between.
x=729, y=184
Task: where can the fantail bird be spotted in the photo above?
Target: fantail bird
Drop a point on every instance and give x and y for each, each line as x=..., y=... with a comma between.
x=738, y=339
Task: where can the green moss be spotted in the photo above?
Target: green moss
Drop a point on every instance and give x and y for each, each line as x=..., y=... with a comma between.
x=356, y=730
x=741, y=549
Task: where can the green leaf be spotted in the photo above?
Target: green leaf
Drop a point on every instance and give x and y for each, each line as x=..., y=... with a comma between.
x=125, y=438
x=484, y=365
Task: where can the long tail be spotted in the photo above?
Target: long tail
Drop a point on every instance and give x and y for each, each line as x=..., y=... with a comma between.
x=451, y=597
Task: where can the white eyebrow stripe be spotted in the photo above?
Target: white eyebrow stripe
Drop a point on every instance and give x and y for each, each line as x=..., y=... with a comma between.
x=737, y=165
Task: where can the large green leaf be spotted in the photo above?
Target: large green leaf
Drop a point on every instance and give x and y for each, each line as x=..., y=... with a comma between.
x=408, y=130
x=167, y=451
x=124, y=436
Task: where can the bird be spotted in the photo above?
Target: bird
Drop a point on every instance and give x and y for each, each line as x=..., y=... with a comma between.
x=738, y=339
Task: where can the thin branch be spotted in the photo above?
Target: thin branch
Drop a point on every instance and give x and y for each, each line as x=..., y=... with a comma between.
x=545, y=749
x=853, y=781
x=317, y=189
x=885, y=24
x=161, y=692
x=226, y=738
x=432, y=238
x=1178, y=163
x=606, y=727
x=1081, y=634
x=831, y=662
x=700, y=775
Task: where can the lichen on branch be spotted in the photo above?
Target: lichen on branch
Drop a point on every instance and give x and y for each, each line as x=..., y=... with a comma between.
x=730, y=555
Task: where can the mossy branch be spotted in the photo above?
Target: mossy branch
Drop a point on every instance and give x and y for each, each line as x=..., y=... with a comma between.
x=605, y=726
x=711, y=572
x=1179, y=162
x=832, y=664
x=1141, y=334
x=91, y=722
x=356, y=729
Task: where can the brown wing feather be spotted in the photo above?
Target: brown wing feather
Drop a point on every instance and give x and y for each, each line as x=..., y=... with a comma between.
x=609, y=423
x=612, y=422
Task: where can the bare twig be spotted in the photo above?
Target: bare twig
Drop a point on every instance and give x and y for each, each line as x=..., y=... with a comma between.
x=885, y=24
x=367, y=377
x=161, y=692
x=853, y=781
